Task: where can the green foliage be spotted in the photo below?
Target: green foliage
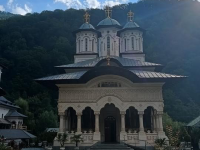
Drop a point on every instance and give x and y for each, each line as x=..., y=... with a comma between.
x=62, y=137
x=77, y=139
x=47, y=136
x=47, y=119
x=175, y=131
x=31, y=45
x=3, y=147
x=161, y=142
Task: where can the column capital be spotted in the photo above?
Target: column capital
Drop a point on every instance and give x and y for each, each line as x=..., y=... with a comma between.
x=97, y=112
x=79, y=113
x=61, y=113
x=159, y=112
x=123, y=112
x=140, y=112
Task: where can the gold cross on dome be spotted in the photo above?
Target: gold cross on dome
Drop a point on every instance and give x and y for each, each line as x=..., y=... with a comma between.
x=130, y=15
x=86, y=17
x=108, y=11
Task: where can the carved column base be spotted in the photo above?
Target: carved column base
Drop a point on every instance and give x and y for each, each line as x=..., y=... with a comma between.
x=77, y=133
x=142, y=135
x=123, y=136
x=161, y=135
x=97, y=136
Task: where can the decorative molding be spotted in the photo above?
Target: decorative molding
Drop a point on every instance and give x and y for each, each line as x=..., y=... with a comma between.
x=125, y=94
x=140, y=112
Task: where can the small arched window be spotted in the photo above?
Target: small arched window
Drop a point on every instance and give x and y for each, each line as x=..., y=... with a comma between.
x=92, y=44
x=108, y=45
x=132, y=42
x=139, y=42
x=125, y=44
x=86, y=44
x=79, y=45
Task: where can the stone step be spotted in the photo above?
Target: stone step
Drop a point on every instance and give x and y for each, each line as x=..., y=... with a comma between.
x=110, y=147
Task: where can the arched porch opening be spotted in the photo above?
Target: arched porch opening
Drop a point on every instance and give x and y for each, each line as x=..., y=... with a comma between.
x=110, y=123
x=132, y=119
x=71, y=119
x=88, y=120
x=148, y=119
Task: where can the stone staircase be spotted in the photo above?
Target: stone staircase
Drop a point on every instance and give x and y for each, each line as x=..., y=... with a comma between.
x=101, y=146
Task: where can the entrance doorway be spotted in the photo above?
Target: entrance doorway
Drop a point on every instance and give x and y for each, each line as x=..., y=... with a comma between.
x=110, y=129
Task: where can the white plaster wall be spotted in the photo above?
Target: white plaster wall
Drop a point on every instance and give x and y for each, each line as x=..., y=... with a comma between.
x=79, y=58
x=114, y=42
x=91, y=38
x=3, y=111
x=138, y=41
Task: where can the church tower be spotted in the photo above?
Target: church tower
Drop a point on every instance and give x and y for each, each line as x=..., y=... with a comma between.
x=110, y=94
x=86, y=41
x=131, y=40
x=109, y=41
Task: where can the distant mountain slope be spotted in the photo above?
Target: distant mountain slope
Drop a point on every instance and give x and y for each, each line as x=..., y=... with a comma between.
x=5, y=15
x=31, y=45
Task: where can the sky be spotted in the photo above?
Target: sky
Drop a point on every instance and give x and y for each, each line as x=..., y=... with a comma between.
x=23, y=7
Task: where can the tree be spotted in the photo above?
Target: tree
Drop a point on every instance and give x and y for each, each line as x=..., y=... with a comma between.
x=77, y=139
x=47, y=120
x=62, y=137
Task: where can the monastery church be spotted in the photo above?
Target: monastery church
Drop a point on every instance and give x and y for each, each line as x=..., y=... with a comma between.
x=110, y=93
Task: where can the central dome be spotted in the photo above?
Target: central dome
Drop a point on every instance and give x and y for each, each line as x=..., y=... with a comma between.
x=87, y=26
x=108, y=22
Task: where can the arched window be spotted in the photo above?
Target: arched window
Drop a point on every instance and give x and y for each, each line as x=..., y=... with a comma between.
x=139, y=42
x=92, y=44
x=108, y=45
x=79, y=45
x=125, y=44
x=86, y=44
x=132, y=42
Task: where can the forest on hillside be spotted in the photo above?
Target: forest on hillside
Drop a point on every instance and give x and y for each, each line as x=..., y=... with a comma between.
x=31, y=45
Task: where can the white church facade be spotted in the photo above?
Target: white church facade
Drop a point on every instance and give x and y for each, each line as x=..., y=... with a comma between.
x=110, y=94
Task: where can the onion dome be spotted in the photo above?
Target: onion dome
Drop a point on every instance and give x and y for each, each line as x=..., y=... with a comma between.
x=130, y=25
x=108, y=22
x=87, y=26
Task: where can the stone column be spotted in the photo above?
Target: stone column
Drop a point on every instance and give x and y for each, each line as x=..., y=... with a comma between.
x=61, y=129
x=97, y=134
x=142, y=134
x=141, y=113
x=96, y=121
x=157, y=123
x=154, y=123
x=160, y=121
x=79, y=114
x=123, y=134
x=122, y=121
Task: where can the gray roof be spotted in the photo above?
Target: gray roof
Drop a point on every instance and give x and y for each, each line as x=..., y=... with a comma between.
x=123, y=61
x=194, y=123
x=5, y=102
x=73, y=75
x=149, y=74
x=3, y=121
x=86, y=26
x=14, y=113
x=130, y=25
x=16, y=134
x=52, y=129
x=108, y=22
x=140, y=74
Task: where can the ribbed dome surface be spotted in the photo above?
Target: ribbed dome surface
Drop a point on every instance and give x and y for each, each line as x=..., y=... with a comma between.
x=86, y=26
x=109, y=22
x=131, y=25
